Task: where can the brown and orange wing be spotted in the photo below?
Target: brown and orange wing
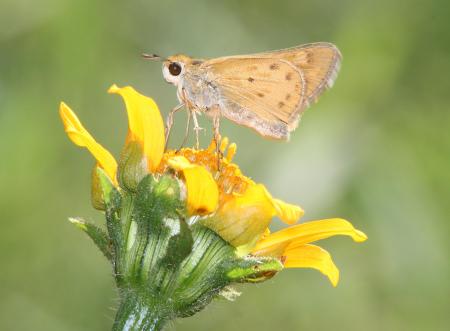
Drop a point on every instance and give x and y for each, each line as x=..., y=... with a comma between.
x=266, y=94
x=319, y=63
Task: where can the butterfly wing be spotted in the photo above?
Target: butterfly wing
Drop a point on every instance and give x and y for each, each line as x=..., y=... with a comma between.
x=266, y=94
x=289, y=80
x=319, y=63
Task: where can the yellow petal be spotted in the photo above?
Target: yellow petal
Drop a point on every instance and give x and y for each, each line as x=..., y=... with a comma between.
x=310, y=232
x=272, y=251
x=202, y=191
x=311, y=256
x=144, y=122
x=81, y=137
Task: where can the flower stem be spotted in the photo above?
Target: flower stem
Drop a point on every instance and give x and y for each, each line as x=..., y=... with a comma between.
x=135, y=314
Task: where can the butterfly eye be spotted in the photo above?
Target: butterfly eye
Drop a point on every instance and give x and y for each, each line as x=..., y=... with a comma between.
x=174, y=69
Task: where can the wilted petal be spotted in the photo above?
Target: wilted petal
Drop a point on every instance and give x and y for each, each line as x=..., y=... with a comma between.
x=243, y=218
x=145, y=123
x=81, y=137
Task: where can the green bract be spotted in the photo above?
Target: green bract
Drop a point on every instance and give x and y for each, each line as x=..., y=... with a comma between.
x=164, y=267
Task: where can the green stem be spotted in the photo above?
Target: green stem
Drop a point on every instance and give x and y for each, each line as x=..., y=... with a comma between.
x=135, y=314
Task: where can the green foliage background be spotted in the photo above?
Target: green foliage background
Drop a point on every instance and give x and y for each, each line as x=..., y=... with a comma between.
x=374, y=150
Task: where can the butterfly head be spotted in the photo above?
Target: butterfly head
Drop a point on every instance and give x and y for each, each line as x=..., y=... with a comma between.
x=174, y=68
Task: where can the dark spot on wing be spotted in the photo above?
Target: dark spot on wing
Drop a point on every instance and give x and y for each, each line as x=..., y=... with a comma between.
x=280, y=104
x=259, y=94
x=251, y=80
x=274, y=66
x=289, y=76
x=288, y=96
x=309, y=58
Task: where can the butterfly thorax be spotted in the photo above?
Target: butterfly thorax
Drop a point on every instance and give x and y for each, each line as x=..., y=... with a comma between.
x=197, y=89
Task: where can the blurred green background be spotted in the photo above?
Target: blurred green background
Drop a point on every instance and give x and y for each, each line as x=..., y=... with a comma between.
x=375, y=150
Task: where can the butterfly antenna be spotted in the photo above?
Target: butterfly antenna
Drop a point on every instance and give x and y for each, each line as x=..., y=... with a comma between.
x=152, y=57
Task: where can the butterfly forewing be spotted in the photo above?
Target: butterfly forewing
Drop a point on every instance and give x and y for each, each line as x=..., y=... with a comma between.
x=274, y=87
x=319, y=63
x=266, y=94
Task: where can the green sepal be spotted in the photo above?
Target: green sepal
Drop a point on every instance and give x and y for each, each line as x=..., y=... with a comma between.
x=113, y=205
x=98, y=236
x=254, y=269
x=132, y=167
x=202, y=274
x=180, y=244
x=157, y=224
x=111, y=195
x=156, y=199
x=168, y=192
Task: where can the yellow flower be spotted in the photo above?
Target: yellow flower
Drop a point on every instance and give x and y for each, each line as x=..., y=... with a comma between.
x=226, y=201
x=145, y=128
x=292, y=246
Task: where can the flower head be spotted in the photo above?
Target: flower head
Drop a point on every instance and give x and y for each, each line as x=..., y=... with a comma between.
x=229, y=203
x=180, y=228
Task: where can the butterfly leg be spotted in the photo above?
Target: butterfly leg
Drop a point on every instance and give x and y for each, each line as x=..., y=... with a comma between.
x=197, y=128
x=169, y=122
x=186, y=134
x=217, y=139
